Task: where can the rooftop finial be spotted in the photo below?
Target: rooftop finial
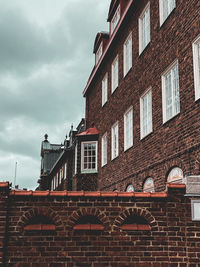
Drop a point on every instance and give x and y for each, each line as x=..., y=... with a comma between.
x=46, y=137
x=72, y=127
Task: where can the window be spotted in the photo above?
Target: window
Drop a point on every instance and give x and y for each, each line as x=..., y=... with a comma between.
x=175, y=175
x=75, y=159
x=99, y=53
x=195, y=205
x=130, y=188
x=170, y=92
x=104, y=142
x=115, y=19
x=105, y=89
x=166, y=7
x=89, y=157
x=144, y=28
x=146, y=113
x=196, y=65
x=115, y=74
x=114, y=132
x=128, y=54
x=149, y=185
x=128, y=128
x=65, y=173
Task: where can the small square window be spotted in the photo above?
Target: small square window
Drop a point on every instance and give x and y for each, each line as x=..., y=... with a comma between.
x=144, y=28
x=89, y=157
x=195, y=206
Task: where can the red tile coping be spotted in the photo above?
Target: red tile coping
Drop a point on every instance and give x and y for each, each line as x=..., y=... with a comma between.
x=40, y=227
x=95, y=193
x=137, y=227
x=4, y=184
x=88, y=227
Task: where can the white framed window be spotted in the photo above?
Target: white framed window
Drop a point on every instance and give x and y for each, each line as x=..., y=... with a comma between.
x=115, y=141
x=104, y=144
x=195, y=207
x=130, y=188
x=166, y=7
x=115, y=20
x=170, y=92
x=89, y=157
x=57, y=180
x=99, y=53
x=65, y=172
x=196, y=66
x=115, y=74
x=75, y=159
x=144, y=28
x=105, y=89
x=146, y=113
x=128, y=128
x=52, y=185
x=128, y=54
x=175, y=175
x=149, y=185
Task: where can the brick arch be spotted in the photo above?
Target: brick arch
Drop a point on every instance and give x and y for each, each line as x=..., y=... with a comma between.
x=76, y=215
x=34, y=212
x=138, y=212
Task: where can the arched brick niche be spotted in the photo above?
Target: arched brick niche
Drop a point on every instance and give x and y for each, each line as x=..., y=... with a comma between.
x=39, y=219
x=135, y=219
x=88, y=219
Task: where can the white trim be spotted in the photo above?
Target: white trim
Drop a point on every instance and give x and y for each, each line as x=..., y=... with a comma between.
x=142, y=43
x=115, y=70
x=196, y=66
x=142, y=135
x=65, y=172
x=104, y=89
x=126, y=145
x=104, y=149
x=82, y=157
x=126, y=50
x=114, y=148
x=164, y=98
x=195, y=209
x=113, y=24
x=99, y=53
x=75, y=159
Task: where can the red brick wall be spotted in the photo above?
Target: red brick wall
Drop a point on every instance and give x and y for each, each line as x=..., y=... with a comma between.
x=176, y=143
x=173, y=239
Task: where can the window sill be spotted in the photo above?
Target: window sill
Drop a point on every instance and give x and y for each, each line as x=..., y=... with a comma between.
x=104, y=104
x=137, y=227
x=114, y=158
x=126, y=149
x=145, y=136
x=112, y=92
x=40, y=227
x=89, y=171
x=144, y=49
x=169, y=120
x=164, y=21
x=128, y=72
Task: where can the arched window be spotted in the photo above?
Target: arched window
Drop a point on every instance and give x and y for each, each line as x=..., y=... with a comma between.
x=88, y=222
x=135, y=222
x=41, y=223
x=149, y=185
x=175, y=175
x=130, y=188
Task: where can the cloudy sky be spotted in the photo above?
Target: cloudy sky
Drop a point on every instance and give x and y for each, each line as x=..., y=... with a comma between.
x=45, y=61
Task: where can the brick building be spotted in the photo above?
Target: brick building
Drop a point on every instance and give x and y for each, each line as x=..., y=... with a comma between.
x=100, y=229
x=142, y=119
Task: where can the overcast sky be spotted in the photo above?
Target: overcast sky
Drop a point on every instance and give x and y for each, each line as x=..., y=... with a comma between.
x=45, y=60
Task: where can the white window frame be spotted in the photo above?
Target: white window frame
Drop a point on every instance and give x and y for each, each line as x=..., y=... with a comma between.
x=115, y=74
x=115, y=142
x=83, y=170
x=196, y=66
x=127, y=51
x=163, y=17
x=105, y=89
x=65, y=172
x=104, y=149
x=115, y=20
x=144, y=28
x=164, y=98
x=75, y=159
x=99, y=53
x=195, y=204
x=128, y=133
x=149, y=116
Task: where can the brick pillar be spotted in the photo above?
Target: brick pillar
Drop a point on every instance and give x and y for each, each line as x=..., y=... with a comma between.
x=4, y=193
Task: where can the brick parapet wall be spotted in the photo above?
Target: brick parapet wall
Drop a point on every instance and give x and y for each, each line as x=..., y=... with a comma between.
x=173, y=239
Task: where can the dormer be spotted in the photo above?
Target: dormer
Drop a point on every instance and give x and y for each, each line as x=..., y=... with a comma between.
x=116, y=10
x=99, y=45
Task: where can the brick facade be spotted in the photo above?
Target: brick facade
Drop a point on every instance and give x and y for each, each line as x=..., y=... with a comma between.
x=168, y=238
x=174, y=143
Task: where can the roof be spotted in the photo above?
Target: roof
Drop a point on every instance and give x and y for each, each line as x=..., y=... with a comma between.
x=112, y=8
x=99, y=37
x=89, y=131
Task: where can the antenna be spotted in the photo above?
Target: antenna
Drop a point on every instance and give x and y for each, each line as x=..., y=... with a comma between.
x=15, y=174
